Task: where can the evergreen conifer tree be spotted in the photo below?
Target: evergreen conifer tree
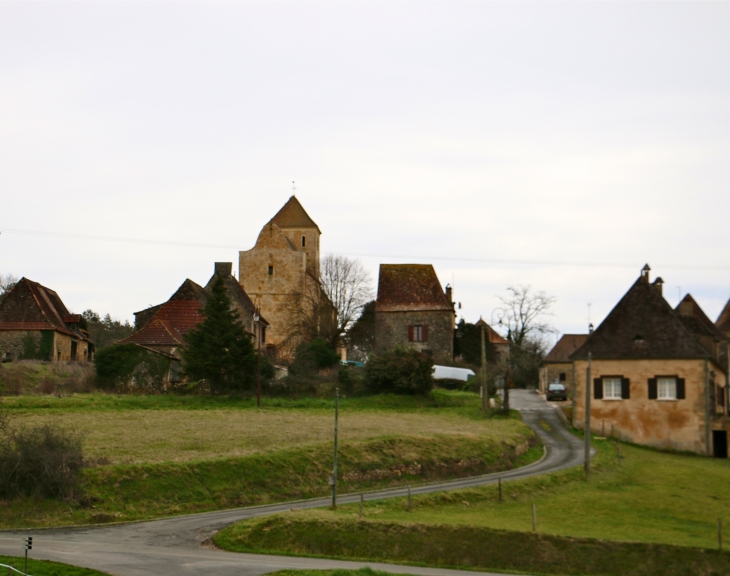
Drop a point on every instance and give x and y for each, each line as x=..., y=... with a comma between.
x=218, y=349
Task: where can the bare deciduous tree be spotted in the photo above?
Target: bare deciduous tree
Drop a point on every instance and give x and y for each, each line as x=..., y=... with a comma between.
x=524, y=310
x=347, y=285
x=7, y=281
x=312, y=316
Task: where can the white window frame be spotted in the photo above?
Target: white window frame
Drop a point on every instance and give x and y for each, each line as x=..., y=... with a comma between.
x=666, y=388
x=418, y=332
x=612, y=389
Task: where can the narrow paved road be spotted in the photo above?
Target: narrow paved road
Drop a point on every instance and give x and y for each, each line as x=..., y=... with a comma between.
x=175, y=546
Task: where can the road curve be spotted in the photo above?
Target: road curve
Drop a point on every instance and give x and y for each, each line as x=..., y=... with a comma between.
x=175, y=546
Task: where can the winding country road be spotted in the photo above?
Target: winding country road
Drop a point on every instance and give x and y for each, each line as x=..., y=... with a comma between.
x=175, y=546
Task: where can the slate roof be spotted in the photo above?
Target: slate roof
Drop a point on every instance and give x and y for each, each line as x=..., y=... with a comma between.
x=564, y=347
x=641, y=325
x=293, y=215
x=723, y=320
x=409, y=287
x=493, y=335
x=32, y=306
x=696, y=321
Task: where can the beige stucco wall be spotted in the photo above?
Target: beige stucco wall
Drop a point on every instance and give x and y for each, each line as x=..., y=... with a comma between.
x=677, y=424
x=62, y=348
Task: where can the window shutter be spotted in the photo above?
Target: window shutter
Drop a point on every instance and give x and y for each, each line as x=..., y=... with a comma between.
x=652, y=389
x=424, y=332
x=410, y=333
x=680, y=388
x=597, y=388
x=625, y=388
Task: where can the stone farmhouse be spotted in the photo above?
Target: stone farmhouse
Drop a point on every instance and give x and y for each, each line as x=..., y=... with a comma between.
x=412, y=311
x=557, y=365
x=35, y=323
x=162, y=328
x=281, y=273
x=658, y=375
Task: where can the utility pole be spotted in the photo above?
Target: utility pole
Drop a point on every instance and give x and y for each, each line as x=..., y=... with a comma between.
x=587, y=429
x=334, y=468
x=256, y=319
x=485, y=395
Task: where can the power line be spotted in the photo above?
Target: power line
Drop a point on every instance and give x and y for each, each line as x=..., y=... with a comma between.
x=501, y=261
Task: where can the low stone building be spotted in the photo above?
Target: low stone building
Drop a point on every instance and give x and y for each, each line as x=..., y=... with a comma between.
x=162, y=328
x=657, y=375
x=35, y=324
x=501, y=345
x=412, y=311
x=557, y=365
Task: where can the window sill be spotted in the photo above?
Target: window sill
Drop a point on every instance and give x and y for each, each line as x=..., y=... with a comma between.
x=666, y=399
x=612, y=399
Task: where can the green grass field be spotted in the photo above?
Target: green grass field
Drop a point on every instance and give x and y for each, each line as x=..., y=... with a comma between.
x=175, y=455
x=670, y=501
x=47, y=568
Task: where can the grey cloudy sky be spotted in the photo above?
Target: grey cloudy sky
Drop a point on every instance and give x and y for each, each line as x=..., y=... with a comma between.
x=495, y=140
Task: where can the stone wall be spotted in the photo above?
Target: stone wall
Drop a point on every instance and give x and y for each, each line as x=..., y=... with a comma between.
x=13, y=346
x=674, y=424
x=553, y=372
x=272, y=274
x=391, y=330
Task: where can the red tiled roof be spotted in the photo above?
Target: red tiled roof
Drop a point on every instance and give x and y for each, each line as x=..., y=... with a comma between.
x=30, y=303
x=24, y=326
x=493, y=335
x=564, y=347
x=72, y=318
x=409, y=287
x=157, y=333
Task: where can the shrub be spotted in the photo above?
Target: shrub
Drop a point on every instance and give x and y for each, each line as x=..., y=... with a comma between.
x=130, y=366
x=312, y=357
x=399, y=372
x=43, y=461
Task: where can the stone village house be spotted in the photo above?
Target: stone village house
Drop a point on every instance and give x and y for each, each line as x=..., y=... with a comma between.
x=281, y=273
x=412, y=311
x=658, y=375
x=35, y=323
x=162, y=328
x=557, y=365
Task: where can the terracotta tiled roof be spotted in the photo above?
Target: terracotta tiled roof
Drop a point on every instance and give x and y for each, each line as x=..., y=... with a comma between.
x=32, y=304
x=564, y=347
x=72, y=318
x=157, y=333
x=173, y=319
x=409, y=287
x=494, y=336
x=723, y=321
x=292, y=215
x=641, y=325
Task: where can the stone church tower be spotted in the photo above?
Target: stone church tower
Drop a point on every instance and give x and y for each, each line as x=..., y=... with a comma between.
x=275, y=271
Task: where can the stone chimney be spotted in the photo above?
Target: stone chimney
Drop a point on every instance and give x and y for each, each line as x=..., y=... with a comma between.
x=447, y=293
x=658, y=283
x=590, y=328
x=224, y=268
x=645, y=273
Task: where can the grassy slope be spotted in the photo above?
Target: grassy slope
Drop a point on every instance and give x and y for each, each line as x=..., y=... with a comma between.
x=651, y=497
x=47, y=568
x=154, y=429
x=128, y=492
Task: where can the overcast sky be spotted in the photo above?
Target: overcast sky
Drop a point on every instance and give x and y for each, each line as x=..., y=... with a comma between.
x=557, y=145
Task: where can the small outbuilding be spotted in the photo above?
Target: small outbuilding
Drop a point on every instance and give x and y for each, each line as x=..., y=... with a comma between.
x=35, y=324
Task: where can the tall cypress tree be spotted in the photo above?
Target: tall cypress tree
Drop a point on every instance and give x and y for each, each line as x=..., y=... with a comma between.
x=218, y=349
